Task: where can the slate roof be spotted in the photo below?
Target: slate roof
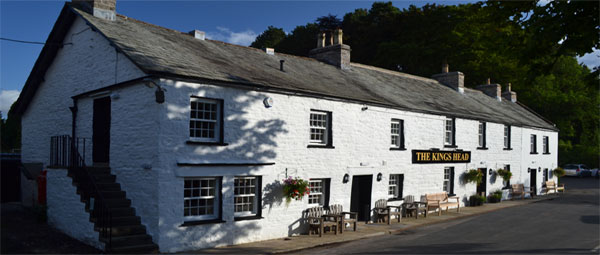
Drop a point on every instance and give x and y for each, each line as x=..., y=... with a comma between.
x=165, y=52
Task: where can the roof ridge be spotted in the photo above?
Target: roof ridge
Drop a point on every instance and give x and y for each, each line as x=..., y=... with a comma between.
x=392, y=72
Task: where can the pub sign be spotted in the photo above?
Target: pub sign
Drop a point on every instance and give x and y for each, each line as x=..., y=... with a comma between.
x=437, y=156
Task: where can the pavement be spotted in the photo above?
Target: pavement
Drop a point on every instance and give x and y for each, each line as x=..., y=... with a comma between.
x=303, y=242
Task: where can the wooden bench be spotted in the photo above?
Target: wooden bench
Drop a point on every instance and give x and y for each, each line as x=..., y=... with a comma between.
x=440, y=201
x=317, y=221
x=519, y=190
x=551, y=185
x=382, y=211
x=339, y=210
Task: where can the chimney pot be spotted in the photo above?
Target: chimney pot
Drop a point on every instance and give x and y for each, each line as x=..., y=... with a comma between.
x=321, y=40
x=104, y=9
x=445, y=67
x=509, y=94
x=337, y=36
x=489, y=81
x=454, y=80
x=334, y=54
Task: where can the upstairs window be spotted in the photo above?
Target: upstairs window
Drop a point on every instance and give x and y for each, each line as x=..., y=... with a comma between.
x=320, y=129
x=396, y=185
x=397, y=134
x=545, y=145
x=481, y=135
x=319, y=192
x=449, y=132
x=506, y=137
x=206, y=120
x=533, y=147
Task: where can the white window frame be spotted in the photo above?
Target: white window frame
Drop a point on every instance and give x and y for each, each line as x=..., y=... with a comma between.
x=314, y=126
x=397, y=134
x=446, y=186
x=253, y=187
x=506, y=137
x=317, y=192
x=394, y=186
x=481, y=134
x=196, y=121
x=448, y=131
x=215, y=198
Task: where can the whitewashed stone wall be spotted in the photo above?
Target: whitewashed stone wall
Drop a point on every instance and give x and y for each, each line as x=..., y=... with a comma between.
x=66, y=212
x=280, y=134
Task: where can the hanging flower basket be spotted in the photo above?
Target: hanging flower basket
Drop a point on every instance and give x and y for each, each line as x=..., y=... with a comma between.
x=295, y=188
x=474, y=176
x=505, y=174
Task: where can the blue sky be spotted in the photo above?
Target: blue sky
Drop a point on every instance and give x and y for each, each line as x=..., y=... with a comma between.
x=234, y=22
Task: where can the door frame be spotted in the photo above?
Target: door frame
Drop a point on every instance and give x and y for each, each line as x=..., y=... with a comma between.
x=101, y=119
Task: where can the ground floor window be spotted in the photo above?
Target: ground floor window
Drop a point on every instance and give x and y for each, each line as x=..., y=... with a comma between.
x=246, y=196
x=396, y=184
x=448, y=185
x=201, y=198
x=319, y=192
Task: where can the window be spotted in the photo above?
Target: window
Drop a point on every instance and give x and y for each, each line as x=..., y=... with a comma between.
x=533, y=144
x=482, y=142
x=396, y=186
x=247, y=196
x=449, y=132
x=449, y=180
x=397, y=134
x=545, y=174
x=506, y=137
x=319, y=192
x=507, y=168
x=201, y=198
x=206, y=120
x=320, y=129
x=545, y=145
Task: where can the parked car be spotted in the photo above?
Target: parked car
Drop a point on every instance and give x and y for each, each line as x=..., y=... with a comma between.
x=595, y=173
x=579, y=170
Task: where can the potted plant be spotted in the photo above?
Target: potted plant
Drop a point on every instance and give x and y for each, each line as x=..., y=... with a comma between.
x=295, y=188
x=474, y=176
x=476, y=200
x=505, y=174
x=495, y=197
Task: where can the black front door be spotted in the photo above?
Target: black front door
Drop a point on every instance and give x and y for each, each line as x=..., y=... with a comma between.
x=360, y=200
x=101, y=130
x=481, y=187
x=532, y=180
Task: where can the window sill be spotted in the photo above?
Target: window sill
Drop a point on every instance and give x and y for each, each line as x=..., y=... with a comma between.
x=507, y=149
x=482, y=148
x=320, y=146
x=201, y=222
x=450, y=146
x=206, y=143
x=395, y=199
x=546, y=153
x=253, y=217
x=397, y=149
x=533, y=153
x=451, y=195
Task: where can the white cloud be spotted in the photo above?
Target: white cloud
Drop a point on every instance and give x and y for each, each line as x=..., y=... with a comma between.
x=7, y=98
x=243, y=38
x=591, y=59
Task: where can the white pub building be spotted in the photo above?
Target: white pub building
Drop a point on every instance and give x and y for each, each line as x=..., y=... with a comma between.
x=178, y=142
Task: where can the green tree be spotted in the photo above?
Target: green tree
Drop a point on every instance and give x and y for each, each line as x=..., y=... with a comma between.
x=269, y=38
x=10, y=132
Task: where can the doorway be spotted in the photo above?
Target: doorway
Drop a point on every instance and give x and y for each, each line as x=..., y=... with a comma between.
x=482, y=187
x=101, y=130
x=533, y=180
x=360, y=200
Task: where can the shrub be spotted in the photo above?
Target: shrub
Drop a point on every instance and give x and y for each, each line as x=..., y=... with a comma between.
x=474, y=176
x=559, y=172
x=476, y=200
x=495, y=197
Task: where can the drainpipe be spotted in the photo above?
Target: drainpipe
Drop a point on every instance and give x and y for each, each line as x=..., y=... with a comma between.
x=73, y=126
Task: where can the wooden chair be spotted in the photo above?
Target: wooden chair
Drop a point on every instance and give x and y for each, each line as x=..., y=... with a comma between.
x=316, y=221
x=518, y=190
x=551, y=185
x=339, y=210
x=411, y=206
x=440, y=201
x=382, y=211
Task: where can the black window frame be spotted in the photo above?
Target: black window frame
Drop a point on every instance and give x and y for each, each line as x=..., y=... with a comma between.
x=546, y=144
x=329, y=144
x=402, y=145
x=453, y=145
x=451, y=180
x=220, y=139
x=399, y=187
x=533, y=144
x=326, y=182
x=509, y=138
x=484, y=145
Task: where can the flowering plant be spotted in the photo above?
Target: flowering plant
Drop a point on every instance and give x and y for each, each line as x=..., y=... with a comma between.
x=295, y=188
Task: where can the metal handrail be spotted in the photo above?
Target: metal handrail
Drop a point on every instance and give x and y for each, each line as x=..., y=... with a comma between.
x=69, y=157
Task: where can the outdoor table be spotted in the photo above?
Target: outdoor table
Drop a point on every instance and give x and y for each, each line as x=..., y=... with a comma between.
x=339, y=218
x=416, y=207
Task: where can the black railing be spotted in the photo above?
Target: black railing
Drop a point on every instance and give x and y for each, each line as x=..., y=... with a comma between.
x=64, y=152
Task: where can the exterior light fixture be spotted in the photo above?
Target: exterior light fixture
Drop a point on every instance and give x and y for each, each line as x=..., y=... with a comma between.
x=491, y=171
x=160, y=91
x=346, y=178
x=379, y=176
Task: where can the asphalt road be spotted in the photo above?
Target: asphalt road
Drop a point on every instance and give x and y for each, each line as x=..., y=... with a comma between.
x=567, y=224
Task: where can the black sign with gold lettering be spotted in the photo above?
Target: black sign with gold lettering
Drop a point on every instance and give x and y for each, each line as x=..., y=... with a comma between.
x=435, y=156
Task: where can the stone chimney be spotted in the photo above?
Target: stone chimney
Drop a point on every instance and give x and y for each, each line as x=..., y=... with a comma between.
x=492, y=90
x=509, y=95
x=336, y=53
x=104, y=9
x=454, y=80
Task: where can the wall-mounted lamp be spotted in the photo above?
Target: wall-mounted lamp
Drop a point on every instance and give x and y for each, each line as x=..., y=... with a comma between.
x=491, y=171
x=379, y=176
x=539, y=169
x=159, y=94
x=346, y=178
x=268, y=102
x=364, y=108
x=114, y=96
x=528, y=170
